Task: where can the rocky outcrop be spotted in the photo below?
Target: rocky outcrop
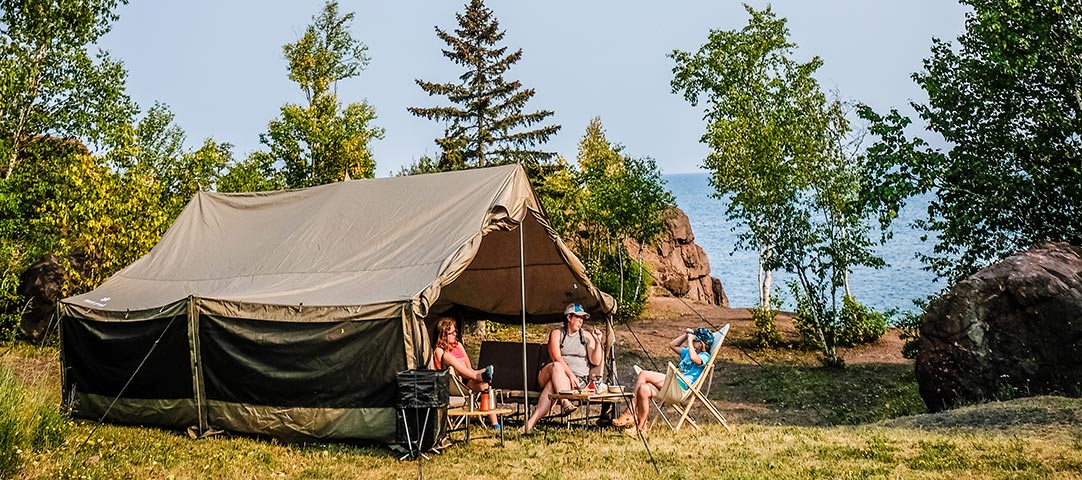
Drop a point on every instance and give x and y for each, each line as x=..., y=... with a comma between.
x=1013, y=329
x=680, y=267
x=40, y=287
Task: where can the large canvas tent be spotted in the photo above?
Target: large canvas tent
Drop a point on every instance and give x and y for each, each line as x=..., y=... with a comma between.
x=288, y=313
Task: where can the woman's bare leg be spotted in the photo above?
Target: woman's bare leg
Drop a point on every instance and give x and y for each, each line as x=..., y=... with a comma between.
x=544, y=404
x=554, y=378
x=647, y=384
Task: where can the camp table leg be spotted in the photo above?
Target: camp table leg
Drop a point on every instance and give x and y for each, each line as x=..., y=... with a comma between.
x=468, y=422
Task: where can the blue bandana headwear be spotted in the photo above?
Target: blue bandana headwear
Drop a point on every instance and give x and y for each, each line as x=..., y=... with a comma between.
x=704, y=335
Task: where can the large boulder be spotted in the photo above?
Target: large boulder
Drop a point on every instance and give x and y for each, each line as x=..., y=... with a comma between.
x=680, y=266
x=40, y=286
x=1010, y=330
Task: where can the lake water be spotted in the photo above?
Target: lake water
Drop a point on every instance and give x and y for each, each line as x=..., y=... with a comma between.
x=894, y=286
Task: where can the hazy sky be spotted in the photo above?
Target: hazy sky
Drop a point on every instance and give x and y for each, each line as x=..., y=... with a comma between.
x=219, y=66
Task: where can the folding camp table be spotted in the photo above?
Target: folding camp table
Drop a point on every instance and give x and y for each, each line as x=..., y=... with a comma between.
x=585, y=399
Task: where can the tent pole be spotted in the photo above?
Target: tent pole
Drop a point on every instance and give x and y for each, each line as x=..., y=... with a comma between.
x=522, y=284
x=197, y=363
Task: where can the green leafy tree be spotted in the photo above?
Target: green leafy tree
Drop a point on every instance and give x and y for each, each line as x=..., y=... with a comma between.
x=826, y=233
x=610, y=199
x=763, y=125
x=51, y=82
x=157, y=153
x=322, y=142
x=1008, y=102
x=23, y=197
x=778, y=153
x=254, y=174
x=204, y=167
x=487, y=123
x=66, y=202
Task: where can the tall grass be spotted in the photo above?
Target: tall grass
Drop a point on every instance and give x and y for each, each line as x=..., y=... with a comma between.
x=29, y=422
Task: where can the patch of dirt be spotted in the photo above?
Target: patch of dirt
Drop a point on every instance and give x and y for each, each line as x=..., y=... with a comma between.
x=665, y=317
x=646, y=343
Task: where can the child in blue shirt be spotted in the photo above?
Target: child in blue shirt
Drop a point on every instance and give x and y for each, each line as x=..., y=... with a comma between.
x=693, y=346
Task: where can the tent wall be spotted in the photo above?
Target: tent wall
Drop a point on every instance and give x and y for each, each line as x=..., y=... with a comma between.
x=315, y=377
x=292, y=380
x=99, y=358
x=323, y=365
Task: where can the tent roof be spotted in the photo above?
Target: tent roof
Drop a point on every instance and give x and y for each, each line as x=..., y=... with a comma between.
x=431, y=240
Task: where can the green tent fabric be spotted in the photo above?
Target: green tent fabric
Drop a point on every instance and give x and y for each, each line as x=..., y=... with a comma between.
x=288, y=313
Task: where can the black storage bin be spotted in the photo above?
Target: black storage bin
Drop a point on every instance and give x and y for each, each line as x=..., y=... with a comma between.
x=423, y=388
x=423, y=396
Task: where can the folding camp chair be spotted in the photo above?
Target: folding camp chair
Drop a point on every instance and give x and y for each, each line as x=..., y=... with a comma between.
x=682, y=399
x=461, y=397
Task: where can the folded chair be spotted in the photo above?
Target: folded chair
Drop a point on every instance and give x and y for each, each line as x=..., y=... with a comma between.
x=682, y=399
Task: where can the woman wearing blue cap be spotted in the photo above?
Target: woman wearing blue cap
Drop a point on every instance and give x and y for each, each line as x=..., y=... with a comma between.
x=694, y=349
x=573, y=350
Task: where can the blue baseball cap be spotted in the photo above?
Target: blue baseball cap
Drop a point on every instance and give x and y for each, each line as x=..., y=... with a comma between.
x=577, y=310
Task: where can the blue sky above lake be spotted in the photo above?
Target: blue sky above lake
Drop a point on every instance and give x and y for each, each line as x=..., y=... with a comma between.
x=219, y=67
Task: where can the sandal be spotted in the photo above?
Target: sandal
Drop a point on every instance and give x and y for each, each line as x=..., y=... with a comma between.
x=567, y=407
x=624, y=420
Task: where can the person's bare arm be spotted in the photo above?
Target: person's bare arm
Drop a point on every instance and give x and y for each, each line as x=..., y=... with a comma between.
x=683, y=340
x=595, y=349
x=692, y=353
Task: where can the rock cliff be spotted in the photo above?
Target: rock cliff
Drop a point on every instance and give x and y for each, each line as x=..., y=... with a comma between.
x=681, y=268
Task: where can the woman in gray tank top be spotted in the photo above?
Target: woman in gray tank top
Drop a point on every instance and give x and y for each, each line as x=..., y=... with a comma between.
x=572, y=351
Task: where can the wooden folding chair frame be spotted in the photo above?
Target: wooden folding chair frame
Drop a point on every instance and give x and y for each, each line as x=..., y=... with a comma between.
x=683, y=402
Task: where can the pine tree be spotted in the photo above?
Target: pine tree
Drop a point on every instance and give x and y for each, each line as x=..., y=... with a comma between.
x=486, y=124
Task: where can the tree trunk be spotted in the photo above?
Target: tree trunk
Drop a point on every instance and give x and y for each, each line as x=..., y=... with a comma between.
x=765, y=278
x=817, y=310
x=845, y=280
x=620, y=258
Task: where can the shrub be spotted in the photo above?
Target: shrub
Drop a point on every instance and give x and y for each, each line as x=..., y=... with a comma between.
x=802, y=319
x=766, y=333
x=636, y=284
x=12, y=263
x=859, y=324
x=909, y=323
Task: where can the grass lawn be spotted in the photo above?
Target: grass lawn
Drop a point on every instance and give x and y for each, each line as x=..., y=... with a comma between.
x=750, y=451
x=790, y=419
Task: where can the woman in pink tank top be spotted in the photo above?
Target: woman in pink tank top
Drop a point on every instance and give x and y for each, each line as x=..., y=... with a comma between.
x=449, y=353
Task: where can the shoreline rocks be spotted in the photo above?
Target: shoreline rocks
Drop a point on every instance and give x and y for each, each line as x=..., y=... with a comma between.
x=680, y=266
